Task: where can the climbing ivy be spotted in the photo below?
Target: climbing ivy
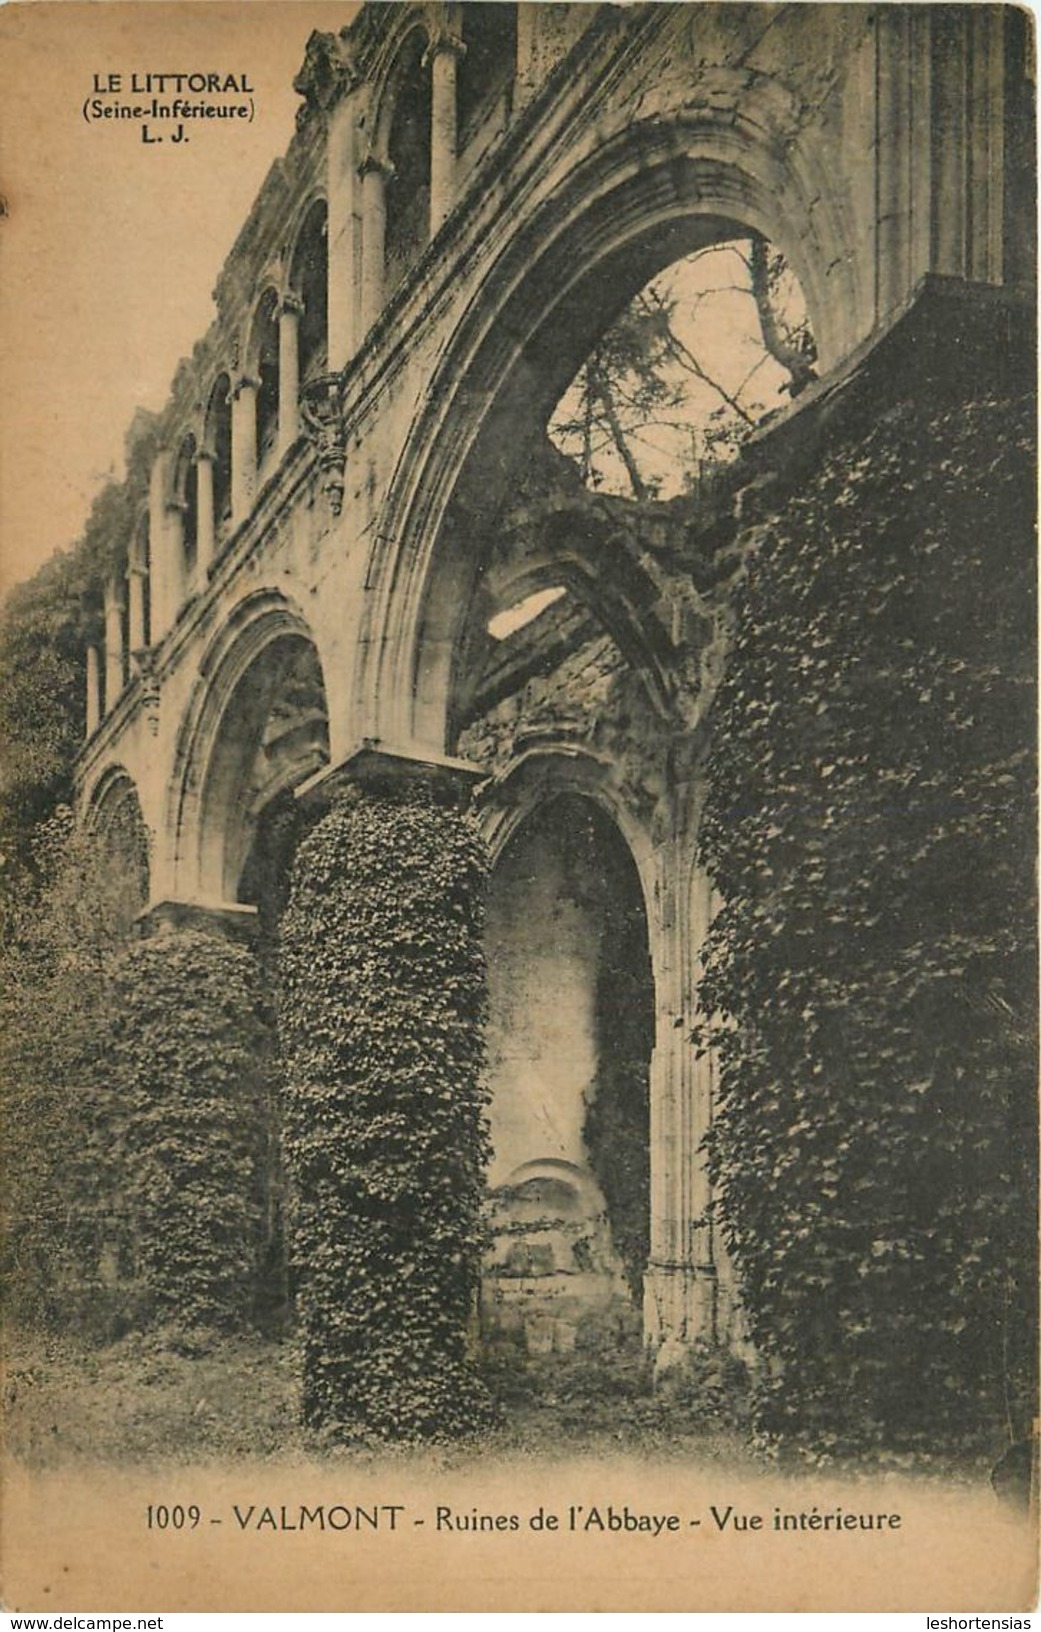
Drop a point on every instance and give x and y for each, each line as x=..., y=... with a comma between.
x=190, y=1056
x=64, y=919
x=870, y=975
x=382, y=1007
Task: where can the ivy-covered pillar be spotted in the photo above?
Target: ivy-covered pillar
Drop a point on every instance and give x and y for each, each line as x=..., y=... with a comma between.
x=191, y=1064
x=382, y=1010
x=869, y=825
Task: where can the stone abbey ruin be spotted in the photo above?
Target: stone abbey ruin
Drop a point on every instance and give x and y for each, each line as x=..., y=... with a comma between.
x=744, y=767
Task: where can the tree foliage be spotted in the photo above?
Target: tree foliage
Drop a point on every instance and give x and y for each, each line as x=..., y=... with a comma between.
x=659, y=395
x=382, y=1005
x=871, y=973
x=46, y=625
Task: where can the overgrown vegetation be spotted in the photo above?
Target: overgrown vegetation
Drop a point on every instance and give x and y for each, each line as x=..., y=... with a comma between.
x=138, y=1105
x=382, y=1005
x=166, y=1396
x=190, y=1055
x=45, y=627
x=66, y=915
x=870, y=829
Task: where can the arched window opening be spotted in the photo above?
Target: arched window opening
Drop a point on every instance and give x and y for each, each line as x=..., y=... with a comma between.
x=570, y=1034
x=309, y=281
x=487, y=69
x=701, y=356
x=218, y=442
x=511, y=619
x=274, y=734
x=139, y=593
x=265, y=371
x=408, y=186
x=186, y=497
x=122, y=836
x=125, y=631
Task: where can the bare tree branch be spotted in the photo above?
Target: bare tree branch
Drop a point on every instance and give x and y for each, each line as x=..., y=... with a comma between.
x=688, y=360
x=599, y=383
x=798, y=368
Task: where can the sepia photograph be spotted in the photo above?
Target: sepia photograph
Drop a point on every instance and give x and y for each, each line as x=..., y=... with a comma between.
x=518, y=825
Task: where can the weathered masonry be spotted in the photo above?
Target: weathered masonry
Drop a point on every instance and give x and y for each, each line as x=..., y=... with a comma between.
x=351, y=481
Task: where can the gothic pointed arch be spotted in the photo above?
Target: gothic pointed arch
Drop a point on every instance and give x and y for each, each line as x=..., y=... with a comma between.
x=262, y=366
x=401, y=143
x=217, y=442
x=256, y=727
x=113, y=814
x=652, y=195
x=186, y=503
x=308, y=285
x=571, y=1031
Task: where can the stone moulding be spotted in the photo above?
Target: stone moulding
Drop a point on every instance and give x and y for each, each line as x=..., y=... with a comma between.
x=376, y=766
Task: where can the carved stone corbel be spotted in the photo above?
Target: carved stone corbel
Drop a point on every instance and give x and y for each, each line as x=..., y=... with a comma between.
x=144, y=660
x=321, y=410
x=328, y=72
x=443, y=40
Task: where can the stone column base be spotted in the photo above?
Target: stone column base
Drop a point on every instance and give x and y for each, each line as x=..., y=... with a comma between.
x=679, y=1309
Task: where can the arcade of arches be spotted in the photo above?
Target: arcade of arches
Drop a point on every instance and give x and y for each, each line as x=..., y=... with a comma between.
x=417, y=509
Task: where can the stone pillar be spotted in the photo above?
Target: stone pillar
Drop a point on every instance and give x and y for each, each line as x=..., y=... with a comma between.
x=93, y=690
x=680, y=1283
x=940, y=161
x=374, y=175
x=243, y=446
x=288, y=372
x=137, y=576
x=526, y=81
x=165, y=568
x=205, y=522
x=443, y=54
x=114, y=673
x=343, y=235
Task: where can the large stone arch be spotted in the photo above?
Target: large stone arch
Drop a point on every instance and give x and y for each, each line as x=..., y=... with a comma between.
x=648, y=196
x=213, y=806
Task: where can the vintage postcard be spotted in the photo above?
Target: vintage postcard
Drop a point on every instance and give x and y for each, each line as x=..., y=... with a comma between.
x=517, y=808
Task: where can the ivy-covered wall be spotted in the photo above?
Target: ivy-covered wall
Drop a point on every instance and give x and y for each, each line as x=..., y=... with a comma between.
x=382, y=1006
x=65, y=920
x=191, y=1052
x=870, y=829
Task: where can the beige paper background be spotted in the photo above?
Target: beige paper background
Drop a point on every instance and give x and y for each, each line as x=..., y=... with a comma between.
x=78, y=1539
x=110, y=248
x=108, y=252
